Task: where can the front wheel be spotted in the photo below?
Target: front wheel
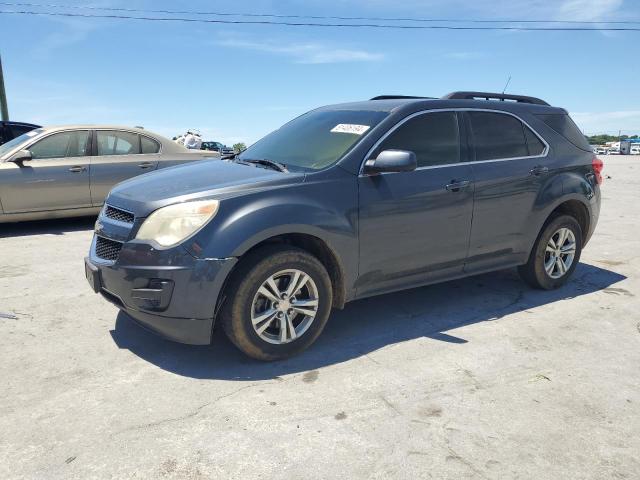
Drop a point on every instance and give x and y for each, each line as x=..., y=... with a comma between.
x=555, y=254
x=278, y=304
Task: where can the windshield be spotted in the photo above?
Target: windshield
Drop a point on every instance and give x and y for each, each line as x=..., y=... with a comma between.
x=11, y=144
x=315, y=140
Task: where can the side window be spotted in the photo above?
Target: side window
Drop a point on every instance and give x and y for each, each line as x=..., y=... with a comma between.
x=536, y=147
x=117, y=143
x=497, y=136
x=60, y=145
x=149, y=145
x=433, y=137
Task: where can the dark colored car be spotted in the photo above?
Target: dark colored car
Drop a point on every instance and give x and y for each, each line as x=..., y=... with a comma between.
x=217, y=147
x=346, y=202
x=211, y=146
x=11, y=130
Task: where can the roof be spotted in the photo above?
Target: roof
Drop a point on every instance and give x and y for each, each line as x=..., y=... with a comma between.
x=25, y=124
x=166, y=142
x=498, y=101
x=415, y=104
x=87, y=126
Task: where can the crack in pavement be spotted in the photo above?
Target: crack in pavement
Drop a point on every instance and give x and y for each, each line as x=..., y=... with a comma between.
x=187, y=416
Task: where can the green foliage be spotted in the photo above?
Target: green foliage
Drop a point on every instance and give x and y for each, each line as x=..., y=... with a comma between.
x=239, y=147
x=602, y=139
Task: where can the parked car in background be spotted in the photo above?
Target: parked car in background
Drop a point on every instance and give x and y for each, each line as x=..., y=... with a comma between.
x=613, y=151
x=68, y=171
x=212, y=146
x=634, y=151
x=601, y=151
x=346, y=202
x=11, y=130
x=217, y=147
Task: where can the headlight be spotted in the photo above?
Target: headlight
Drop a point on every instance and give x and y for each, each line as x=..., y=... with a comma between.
x=171, y=225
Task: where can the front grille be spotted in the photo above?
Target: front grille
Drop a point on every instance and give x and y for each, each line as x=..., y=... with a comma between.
x=119, y=215
x=107, y=249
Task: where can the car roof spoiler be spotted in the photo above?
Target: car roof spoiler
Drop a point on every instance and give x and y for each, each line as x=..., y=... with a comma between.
x=494, y=96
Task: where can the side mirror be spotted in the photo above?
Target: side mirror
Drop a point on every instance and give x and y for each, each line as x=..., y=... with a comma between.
x=391, y=161
x=21, y=156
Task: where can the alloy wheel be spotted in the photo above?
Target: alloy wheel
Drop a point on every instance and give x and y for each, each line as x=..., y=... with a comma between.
x=284, y=306
x=560, y=253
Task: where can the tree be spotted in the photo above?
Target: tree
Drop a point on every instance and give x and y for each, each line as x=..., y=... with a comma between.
x=239, y=147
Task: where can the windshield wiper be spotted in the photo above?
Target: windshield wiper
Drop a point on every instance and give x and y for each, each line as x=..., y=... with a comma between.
x=265, y=162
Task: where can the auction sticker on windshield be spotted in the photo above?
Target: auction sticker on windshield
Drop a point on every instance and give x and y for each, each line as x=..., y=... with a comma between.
x=350, y=128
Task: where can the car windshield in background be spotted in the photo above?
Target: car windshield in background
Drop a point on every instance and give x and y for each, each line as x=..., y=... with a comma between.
x=10, y=145
x=315, y=140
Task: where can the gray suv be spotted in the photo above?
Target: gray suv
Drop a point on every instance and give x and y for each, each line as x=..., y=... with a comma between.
x=342, y=203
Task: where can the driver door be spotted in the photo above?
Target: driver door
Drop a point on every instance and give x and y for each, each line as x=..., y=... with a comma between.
x=56, y=178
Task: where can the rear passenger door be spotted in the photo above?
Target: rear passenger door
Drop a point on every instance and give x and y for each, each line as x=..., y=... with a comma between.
x=510, y=167
x=414, y=226
x=118, y=156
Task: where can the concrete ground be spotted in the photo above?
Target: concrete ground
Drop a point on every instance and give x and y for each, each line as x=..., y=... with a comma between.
x=479, y=378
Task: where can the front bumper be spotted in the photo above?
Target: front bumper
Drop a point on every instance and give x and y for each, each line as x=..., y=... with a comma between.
x=169, y=292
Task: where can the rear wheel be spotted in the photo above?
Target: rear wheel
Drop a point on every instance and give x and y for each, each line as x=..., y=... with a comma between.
x=555, y=254
x=280, y=300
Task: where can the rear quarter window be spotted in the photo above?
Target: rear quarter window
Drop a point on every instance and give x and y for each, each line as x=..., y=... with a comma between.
x=148, y=145
x=564, y=125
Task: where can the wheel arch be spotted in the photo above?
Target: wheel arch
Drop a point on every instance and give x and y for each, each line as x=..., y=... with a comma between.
x=310, y=243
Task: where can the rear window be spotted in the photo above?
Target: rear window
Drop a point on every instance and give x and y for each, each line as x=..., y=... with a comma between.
x=118, y=143
x=562, y=124
x=497, y=136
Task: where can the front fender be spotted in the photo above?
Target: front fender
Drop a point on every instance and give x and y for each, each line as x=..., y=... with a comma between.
x=325, y=209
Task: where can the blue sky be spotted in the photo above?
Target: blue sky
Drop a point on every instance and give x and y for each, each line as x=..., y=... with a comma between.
x=237, y=83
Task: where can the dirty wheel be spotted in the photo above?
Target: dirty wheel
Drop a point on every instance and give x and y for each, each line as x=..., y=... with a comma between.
x=555, y=254
x=278, y=302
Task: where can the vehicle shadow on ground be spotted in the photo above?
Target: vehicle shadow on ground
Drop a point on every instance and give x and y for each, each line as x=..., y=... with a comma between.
x=368, y=325
x=47, y=227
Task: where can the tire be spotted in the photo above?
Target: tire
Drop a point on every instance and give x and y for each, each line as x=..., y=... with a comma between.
x=535, y=272
x=251, y=297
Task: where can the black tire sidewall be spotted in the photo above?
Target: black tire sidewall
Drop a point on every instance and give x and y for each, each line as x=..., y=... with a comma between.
x=542, y=278
x=244, y=336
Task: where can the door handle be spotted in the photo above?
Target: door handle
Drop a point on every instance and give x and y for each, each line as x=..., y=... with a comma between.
x=455, y=186
x=78, y=169
x=538, y=170
x=145, y=165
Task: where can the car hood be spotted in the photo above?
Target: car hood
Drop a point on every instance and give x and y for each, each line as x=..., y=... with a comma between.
x=206, y=179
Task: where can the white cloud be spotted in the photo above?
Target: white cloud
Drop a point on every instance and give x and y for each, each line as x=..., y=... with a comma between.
x=309, y=53
x=608, y=122
x=65, y=32
x=588, y=10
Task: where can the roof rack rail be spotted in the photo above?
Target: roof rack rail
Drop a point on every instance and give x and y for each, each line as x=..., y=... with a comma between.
x=494, y=96
x=398, y=97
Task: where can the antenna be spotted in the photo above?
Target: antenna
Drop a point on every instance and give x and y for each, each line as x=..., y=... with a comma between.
x=505, y=87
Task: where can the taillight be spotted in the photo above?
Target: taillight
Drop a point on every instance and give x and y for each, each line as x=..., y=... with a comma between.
x=598, y=166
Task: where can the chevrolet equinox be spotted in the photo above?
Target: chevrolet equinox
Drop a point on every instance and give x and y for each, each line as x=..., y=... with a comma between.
x=342, y=203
